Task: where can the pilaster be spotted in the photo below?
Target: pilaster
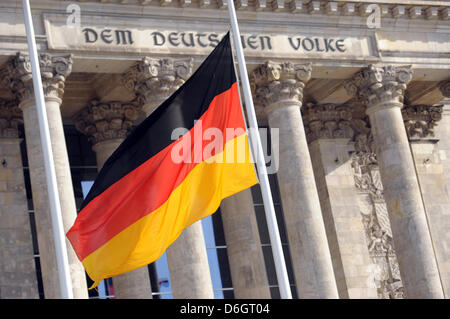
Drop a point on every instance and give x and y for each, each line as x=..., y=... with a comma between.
x=329, y=131
x=421, y=122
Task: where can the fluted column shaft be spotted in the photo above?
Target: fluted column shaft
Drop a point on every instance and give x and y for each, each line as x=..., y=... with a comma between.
x=382, y=89
x=54, y=70
x=244, y=249
x=279, y=87
x=153, y=81
x=106, y=125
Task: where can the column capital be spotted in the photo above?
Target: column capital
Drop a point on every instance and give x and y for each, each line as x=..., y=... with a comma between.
x=17, y=75
x=10, y=118
x=420, y=120
x=153, y=80
x=102, y=121
x=274, y=82
x=444, y=86
x=327, y=121
x=380, y=86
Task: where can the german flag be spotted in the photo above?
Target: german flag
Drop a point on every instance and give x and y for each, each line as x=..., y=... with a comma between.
x=154, y=185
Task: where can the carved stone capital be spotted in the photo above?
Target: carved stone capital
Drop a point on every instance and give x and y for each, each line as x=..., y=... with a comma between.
x=102, y=121
x=17, y=75
x=327, y=121
x=154, y=80
x=10, y=119
x=274, y=82
x=444, y=86
x=420, y=120
x=380, y=86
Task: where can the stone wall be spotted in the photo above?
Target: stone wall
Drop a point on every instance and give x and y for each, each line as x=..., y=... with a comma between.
x=432, y=159
x=18, y=279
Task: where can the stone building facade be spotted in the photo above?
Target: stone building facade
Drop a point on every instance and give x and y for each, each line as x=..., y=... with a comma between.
x=359, y=93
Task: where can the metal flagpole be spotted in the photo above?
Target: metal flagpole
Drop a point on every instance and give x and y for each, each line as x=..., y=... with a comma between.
x=50, y=174
x=277, y=250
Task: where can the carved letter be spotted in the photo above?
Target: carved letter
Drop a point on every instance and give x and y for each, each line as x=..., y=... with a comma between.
x=191, y=42
x=295, y=47
x=310, y=46
x=243, y=41
x=120, y=37
x=213, y=40
x=328, y=45
x=318, y=45
x=199, y=36
x=87, y=35
x=105, y=35
x=158, y=38
x=251, y=42
x=340, y=45
x=173, y=36
x=269, y=45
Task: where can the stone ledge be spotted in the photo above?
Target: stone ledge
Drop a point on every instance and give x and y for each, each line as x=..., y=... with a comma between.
x=429, y=10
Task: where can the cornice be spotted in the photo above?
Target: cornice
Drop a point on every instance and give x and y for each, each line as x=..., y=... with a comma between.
x=424, y=10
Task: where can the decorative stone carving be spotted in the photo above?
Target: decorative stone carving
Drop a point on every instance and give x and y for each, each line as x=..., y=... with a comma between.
x=374, y=214
x=295, y=6
x=342, y=7
x=156, y=79
x=104, y=121
x=273, y=82
x=10, y=119
x=420, y=120
x=17, y=75
x=380, y=245
x=260, y=5
x=378, y=85
x=327, y=121
x=332, y=7
x=241, y=4
x=445, y=88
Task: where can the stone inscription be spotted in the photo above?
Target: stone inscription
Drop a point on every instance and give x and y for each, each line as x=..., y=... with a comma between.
x=317, y=44
x=204, y=40
x=108, y=36
x=177, y=37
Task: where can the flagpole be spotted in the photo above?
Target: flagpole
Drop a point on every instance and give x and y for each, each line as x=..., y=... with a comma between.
x=255, y=140
x=62, y=260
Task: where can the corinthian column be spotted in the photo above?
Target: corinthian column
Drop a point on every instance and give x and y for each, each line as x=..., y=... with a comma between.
x=107, y=124
x=279, y=88
x=153, y=81
x=329, y=131
x=381, y=89
x=54, y=70
x=420, y=123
